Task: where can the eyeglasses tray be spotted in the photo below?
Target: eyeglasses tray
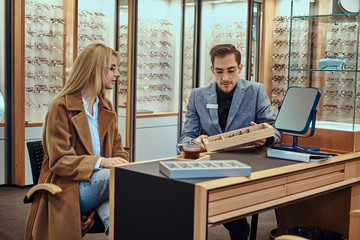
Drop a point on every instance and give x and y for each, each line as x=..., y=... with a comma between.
x=204, y=169
x=238, y=137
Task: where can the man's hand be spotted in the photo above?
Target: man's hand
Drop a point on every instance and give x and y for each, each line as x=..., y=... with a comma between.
x=109, y=162
x=200, y=139
x=258, y=143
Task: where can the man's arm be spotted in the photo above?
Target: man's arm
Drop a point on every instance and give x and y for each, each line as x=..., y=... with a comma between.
x=192, y=124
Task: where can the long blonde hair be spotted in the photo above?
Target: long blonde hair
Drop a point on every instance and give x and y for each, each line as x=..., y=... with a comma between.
x=90, y=67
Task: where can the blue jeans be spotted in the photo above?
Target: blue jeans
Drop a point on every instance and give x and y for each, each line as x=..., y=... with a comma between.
x=95, y=195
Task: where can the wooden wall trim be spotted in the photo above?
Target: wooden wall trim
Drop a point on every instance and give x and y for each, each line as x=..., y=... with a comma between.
x=266, y=60
x=18, y=145
x=70, y=15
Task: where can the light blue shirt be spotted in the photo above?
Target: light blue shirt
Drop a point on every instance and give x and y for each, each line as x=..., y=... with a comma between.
x=94, y=129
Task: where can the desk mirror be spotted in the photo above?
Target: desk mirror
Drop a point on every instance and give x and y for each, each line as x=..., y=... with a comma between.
x=297, y=111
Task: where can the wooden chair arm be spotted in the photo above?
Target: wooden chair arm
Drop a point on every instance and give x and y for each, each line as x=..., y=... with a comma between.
x=52, y=188
x=290, y=237
x=355, y=213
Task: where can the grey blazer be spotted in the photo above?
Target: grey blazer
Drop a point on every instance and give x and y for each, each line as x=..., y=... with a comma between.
x=249, y=103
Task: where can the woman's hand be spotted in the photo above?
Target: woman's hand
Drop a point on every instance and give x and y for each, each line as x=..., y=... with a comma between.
x=109, y=162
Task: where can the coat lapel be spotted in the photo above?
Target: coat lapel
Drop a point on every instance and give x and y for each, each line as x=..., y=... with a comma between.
x=213, y=112
x=106, y=115
x=80, y=121
x=235, y=103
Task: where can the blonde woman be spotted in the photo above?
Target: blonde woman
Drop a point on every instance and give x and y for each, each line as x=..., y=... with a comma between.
x=81, y=141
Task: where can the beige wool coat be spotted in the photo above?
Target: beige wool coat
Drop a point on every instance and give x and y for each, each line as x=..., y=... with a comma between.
x=68, y=159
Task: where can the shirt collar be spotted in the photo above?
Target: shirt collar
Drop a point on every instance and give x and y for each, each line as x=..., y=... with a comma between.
x=95, y=108
x=223, y=95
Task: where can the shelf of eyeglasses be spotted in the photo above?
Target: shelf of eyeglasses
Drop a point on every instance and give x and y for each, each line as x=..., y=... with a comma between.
x=204, y=169
x=324, y=70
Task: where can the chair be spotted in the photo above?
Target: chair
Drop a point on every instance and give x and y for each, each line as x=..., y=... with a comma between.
x=290, y=237
x=36, y=155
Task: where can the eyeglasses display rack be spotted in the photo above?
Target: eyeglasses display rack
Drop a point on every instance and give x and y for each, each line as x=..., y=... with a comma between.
x=219, y=28
x=323, y=53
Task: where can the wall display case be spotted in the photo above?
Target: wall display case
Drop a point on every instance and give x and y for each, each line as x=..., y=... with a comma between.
x=158, y=65
x=327, y=59
x=222, y=22
x=323, y=53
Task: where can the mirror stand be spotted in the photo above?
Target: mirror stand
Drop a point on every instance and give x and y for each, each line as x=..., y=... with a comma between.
x=295, y=146
x=297, y=111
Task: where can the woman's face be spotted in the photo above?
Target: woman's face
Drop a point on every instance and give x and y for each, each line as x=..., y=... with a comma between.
x=112, y=74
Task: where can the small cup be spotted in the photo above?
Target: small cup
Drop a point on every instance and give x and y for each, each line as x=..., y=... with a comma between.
x=190, y=150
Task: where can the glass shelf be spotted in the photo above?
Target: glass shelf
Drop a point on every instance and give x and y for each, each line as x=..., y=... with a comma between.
x=318, y=70
x=325, y=15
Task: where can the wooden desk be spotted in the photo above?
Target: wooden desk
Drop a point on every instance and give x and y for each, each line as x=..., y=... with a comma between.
x=144, y=204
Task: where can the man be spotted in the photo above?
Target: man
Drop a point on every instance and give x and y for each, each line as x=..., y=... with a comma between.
x=228, y=104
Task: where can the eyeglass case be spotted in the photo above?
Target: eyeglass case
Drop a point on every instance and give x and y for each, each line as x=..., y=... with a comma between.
x=332, y=64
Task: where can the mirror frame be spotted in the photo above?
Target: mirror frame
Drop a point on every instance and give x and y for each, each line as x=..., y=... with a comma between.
x=311, y=109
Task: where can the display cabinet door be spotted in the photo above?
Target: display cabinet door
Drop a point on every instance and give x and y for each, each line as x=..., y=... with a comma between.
x=158, y=59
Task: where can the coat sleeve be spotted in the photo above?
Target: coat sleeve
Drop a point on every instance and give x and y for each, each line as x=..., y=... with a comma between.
x=63, y=159
x=118, y=149
x=192, y=124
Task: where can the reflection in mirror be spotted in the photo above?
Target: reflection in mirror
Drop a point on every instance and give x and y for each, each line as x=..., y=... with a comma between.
x=2, y=106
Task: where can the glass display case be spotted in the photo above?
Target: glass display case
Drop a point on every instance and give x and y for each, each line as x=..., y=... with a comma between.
x=158, y=55
x=222, y=22
x=323, y=53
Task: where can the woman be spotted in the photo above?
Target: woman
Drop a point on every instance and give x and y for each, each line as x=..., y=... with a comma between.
x=81, y=141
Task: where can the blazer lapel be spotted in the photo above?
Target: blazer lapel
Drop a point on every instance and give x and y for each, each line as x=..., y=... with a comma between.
x=213, y=112
x=80, y=121
x=235, y=103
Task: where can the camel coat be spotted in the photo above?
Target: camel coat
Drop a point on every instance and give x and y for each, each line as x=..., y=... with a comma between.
x=68, y=159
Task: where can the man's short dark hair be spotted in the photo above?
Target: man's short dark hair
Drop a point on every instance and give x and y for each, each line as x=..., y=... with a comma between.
x=222, y=50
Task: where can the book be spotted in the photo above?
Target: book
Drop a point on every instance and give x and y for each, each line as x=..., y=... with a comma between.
x=297, y=156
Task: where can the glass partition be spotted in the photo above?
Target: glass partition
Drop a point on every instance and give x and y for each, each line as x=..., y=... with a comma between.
x=323, y=53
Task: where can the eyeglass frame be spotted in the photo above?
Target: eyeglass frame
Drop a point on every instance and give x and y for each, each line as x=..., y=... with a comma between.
x=336, y=54
x=228, y=74
x=113, y=68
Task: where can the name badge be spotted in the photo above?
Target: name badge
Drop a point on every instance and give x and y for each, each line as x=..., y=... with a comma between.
x=214, y=106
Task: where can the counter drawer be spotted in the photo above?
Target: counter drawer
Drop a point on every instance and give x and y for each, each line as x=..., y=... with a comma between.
x=244, y=195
